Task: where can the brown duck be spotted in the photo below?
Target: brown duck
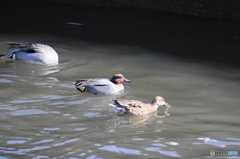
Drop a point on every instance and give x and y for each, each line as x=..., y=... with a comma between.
x=137, y=107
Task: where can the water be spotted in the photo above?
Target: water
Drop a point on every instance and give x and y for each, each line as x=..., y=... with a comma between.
x=42, y=115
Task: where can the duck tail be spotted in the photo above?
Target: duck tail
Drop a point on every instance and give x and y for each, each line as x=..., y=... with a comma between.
x=117, y=107
x=18, y=45
x=14, y=48
x=79, y=86
x=112, y=105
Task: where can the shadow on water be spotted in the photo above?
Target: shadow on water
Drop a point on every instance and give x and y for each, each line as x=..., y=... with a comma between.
x=177, y=35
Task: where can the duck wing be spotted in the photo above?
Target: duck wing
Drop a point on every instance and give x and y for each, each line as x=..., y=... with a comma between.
x=130, y=103
x=20, y=47
x=82, y=84
x=135, y=107
x=93, y=82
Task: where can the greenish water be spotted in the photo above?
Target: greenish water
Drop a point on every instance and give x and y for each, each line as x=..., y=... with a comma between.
x=42, y=115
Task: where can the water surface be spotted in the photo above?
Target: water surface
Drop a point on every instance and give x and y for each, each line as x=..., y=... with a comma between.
x=42, y=115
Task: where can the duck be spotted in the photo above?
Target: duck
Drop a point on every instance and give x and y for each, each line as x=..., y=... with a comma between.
x=102, y=85
x=32, y=53
x=135, y=107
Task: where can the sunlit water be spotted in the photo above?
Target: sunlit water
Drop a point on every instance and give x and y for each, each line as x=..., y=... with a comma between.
x=42, y=115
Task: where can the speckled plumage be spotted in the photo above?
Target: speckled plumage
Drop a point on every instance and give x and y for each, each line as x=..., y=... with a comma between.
x=136, y=107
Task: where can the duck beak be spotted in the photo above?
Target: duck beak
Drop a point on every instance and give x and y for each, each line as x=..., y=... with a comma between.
x=127, y=80
x=167, y=105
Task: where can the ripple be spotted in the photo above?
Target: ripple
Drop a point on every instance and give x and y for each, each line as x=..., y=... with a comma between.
x=97, y=144
x=51, y=129
x=40, y=84
x=5, y=150
x=164, y=152
x=6, y=107
x=54, y=97
x=31, y=112
x=94, y=114
x=5, y=81
x=25, y=101
x=114, y=148
x=12, y=152
x=170, y=153
x=65, y=142
x=40, y=157
x=80, y=129
x=172, y=143
x=153, y=149
x=214, y=142
x=15, y=142
x=43, y=141
x=233, y=138
x=7, y=75
x=138, y=139
x=40, y=148
x=158, y=144
x=4, y=157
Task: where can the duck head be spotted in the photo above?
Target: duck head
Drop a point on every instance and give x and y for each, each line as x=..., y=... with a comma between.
x=118, y=79
x=160, y=101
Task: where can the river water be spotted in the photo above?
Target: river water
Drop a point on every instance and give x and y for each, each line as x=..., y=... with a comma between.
x=42, y=115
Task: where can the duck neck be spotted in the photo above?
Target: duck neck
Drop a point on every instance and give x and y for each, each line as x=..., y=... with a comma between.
x=154, y=104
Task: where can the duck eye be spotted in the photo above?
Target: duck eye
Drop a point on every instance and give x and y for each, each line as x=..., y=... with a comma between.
x=116, y=78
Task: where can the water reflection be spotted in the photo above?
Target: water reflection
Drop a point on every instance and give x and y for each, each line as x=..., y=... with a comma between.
x=113, y=148
x=33, y=69
x=29, y=112
x=133, y=121
x=42, y=115
x=209, y=141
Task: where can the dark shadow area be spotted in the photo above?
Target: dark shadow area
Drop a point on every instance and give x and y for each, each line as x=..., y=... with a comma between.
x=183, y=36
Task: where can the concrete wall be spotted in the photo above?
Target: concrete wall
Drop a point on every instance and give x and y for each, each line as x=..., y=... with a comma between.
x=222, y=9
